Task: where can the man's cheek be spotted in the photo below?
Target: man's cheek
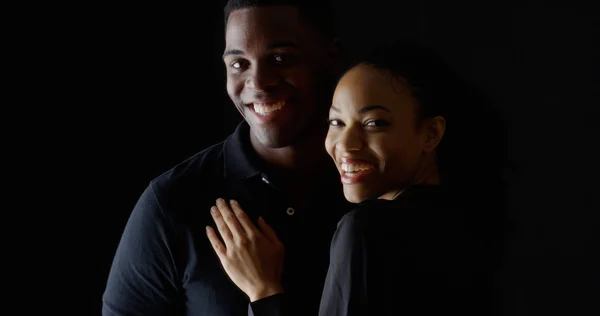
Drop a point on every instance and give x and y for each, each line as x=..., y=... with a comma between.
x=300, y=75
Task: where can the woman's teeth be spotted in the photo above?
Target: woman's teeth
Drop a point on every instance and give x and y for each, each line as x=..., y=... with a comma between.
x=266, y=108
x=351, y=168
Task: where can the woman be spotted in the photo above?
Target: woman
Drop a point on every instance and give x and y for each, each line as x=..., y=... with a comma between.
x=421, y=239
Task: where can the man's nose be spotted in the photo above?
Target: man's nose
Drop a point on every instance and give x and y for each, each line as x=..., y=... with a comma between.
x=261, y=78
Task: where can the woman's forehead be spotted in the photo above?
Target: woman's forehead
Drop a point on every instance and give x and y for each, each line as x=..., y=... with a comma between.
x=364, y=85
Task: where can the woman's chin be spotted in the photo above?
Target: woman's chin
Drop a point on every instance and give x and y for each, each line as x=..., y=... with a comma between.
x=355, y=196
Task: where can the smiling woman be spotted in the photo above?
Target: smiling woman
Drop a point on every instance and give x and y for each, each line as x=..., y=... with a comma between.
x=377, y=139
x=425, y=235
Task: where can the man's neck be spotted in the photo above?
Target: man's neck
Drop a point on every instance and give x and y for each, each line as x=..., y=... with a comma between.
x=295, y=168
x=308, y=152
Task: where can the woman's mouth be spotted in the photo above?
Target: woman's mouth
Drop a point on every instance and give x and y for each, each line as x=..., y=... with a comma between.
x=355, y=172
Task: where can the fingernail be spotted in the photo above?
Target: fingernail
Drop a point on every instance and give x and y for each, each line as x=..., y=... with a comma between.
x=232, y=201
x=213, y=210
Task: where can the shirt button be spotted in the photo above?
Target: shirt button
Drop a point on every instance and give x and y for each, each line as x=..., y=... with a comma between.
x=290, y=211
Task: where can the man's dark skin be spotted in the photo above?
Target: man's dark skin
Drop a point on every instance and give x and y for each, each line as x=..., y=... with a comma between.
x=271, y=54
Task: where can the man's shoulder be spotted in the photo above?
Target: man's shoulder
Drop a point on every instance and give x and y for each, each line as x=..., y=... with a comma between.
x=204, y=165
x=191, y=182
x=208, y=167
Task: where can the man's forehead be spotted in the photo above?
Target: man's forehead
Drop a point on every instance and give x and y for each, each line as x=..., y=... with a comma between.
x=268, y=25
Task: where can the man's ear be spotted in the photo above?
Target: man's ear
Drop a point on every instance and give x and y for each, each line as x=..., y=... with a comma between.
x=434, y=132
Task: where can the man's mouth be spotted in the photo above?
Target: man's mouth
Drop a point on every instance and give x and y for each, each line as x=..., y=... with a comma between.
x=268, y=108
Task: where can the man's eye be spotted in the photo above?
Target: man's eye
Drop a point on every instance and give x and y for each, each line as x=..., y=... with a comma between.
x=282, y=58
x=238, y=64
x=279, y=58
x=335, y=122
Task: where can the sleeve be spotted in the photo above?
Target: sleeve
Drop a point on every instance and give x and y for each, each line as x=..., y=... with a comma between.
x=345, y=290
x=274, y=305
x=143, y=278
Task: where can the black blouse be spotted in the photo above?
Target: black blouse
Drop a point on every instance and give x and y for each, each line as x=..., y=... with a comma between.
x=416, y=255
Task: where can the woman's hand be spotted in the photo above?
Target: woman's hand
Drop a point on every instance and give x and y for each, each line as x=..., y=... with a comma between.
x=252, y=258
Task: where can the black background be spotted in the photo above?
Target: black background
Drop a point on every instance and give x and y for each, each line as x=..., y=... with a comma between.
x=147, y=86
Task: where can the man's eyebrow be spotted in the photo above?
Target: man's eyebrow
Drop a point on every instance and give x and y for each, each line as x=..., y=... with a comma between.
x=272, y=46
x=232, y=52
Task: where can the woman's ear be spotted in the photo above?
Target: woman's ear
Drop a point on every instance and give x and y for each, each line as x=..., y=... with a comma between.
x=434, y=131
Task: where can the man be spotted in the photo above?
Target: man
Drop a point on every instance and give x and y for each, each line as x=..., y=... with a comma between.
x=280, y=61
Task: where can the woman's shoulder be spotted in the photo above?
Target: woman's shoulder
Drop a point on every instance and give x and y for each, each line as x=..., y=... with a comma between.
x=363, y=215
x=354, y=221
x=409, y=207
x=362, y=212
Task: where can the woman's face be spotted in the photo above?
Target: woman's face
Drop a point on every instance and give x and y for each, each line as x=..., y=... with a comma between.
x=373, y=135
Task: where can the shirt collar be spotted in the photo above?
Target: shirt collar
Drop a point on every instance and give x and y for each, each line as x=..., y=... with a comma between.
x=242, y=162
x=240, y=159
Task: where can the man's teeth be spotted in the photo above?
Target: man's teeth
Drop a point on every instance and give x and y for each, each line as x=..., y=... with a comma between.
x=266, y=108
x=356, y=167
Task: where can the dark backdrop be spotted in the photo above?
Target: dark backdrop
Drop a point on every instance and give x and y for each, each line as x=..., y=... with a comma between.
x=149, y=87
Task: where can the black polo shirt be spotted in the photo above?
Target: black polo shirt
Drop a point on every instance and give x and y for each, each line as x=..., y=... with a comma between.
x=165, y=265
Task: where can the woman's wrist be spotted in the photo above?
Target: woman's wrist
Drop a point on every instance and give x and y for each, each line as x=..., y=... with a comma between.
x=265, y=292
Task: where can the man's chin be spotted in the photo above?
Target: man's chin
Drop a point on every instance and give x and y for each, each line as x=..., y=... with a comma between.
x=271, y=137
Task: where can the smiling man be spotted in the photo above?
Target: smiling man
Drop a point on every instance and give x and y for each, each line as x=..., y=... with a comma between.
x=280, y=59
x=275, y=68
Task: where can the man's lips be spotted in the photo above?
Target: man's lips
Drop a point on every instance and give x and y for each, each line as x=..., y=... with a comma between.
x=272, y=111
x=265, y=108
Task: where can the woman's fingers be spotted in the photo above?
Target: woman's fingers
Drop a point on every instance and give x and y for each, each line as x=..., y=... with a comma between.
x=231, y=220
x=215, y=242
x=222, y=226
x=244, y=220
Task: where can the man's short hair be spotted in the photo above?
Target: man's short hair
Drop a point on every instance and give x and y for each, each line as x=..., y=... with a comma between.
x=319, y=13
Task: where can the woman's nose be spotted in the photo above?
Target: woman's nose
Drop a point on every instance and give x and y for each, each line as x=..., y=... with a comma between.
x=350, y=140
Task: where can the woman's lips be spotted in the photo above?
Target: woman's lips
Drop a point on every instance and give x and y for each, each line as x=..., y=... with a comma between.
x=355, y=170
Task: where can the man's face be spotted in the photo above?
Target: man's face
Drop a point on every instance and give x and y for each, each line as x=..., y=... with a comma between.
x=278, y=72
